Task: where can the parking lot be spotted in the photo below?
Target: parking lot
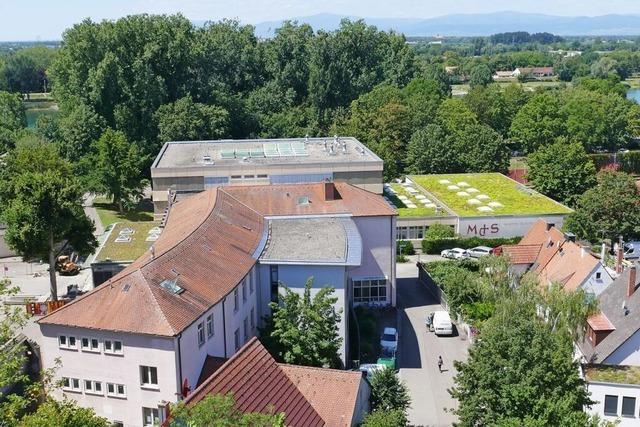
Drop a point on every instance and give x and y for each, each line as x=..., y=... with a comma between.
x=419, y=351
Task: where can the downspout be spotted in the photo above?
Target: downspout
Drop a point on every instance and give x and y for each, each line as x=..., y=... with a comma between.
x=224, y=326
x=180, y=367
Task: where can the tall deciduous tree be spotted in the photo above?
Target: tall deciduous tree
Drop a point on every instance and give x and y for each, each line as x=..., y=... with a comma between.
x=388, y=392
x=538, y=122
x=185, y=120
x=562, y=171
x=303, y=329
x=608, y=210
x=41, y=203
x=480, y=76
x=117, y=167
x=12, y=119
x=219, y=410
x=430, y=150
x=66, y=413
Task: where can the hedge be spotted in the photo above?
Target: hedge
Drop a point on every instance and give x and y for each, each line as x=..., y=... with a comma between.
x=405, y=247
x=438, y=245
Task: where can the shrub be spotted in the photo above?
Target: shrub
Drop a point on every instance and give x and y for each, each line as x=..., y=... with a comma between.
x=405, y=247
x=459, y=281
x=435, y=246
x=439, y=231
x=402, y=258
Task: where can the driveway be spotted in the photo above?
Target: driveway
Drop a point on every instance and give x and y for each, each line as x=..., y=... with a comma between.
x=419, y=351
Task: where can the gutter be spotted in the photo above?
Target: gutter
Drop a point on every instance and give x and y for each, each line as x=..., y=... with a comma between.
x=224, y=326
x=180, y=367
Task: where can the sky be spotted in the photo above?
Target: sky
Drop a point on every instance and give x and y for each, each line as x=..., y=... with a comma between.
x=47, y=19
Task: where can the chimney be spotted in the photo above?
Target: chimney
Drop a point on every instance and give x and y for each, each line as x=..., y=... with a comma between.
x=584, y=251
x=619, y=256
x=331, y=192
x=549, y=226
x=631, y=284
x=603, y=252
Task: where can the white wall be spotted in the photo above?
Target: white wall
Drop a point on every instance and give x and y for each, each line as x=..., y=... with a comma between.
x=125, y=369
x=235, y=319
x=599, y=390
x=594, y=285
x=628, y=353
x=378, y=250
x=4, y=249
x=502, y=226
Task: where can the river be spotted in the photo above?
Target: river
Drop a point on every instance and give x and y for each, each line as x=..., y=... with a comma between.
x=634, y=94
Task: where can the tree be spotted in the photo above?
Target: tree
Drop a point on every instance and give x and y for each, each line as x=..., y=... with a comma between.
x=482, y=149
x=608, y=210
x=388, y=392
x=219, y=410
x=78, y=128
x=561, y=170
x=454, y=114
x=117, y=168
x=303, y=330
x=538, y=122
x=12, y=119
x=480, y=76
x=41, y=204
x=186, y=120
x=522, y=372
x=25, y=70
x=439, y=231
x=431, y=151
x=64, y=413
x=394, y=418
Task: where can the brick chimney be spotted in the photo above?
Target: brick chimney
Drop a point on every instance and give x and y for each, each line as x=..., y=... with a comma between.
x=331, y=192
x=631, y=284
x=619, y=257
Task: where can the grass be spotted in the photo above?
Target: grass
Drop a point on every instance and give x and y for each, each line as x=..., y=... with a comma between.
x=613, y=374
x=109, y=214
x=403, y=210
x=463, y=89
x=633, y=82
x=127, y=251
x=515, y=198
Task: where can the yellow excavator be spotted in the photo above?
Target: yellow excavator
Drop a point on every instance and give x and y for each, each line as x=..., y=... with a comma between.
x=66, y=266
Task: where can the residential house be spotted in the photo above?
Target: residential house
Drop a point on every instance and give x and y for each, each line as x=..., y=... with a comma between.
x=535, y=72
x=143, y=337
x=555, y=257
x=499, y=75
x=307, y=396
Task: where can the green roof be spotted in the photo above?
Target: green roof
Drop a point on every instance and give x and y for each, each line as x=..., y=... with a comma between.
x=126, y=251
x=419, y=211
x=493, y=193
x=613, y=374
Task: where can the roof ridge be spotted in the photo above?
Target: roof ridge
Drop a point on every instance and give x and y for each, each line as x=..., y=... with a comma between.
x=242, y=203
x=316, y=368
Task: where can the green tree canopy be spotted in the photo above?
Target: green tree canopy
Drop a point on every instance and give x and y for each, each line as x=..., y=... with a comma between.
x=395, y=418
x=64, y=413
x=431, y=151
x=608, y=210
x=303, y=329
x=388, y=392
x=562, y=171
x=185, y=120
x=219, y=410
x=538, y=122
x=12, y=119
x=480, y=76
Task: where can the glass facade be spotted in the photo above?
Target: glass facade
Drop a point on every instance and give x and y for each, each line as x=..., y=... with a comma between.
x=372, y=290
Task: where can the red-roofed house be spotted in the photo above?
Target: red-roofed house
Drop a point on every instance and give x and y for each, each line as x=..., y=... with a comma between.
x=145, y=336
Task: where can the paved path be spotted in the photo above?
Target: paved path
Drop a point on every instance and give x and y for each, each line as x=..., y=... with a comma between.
x=91, y=212
x=419, y=351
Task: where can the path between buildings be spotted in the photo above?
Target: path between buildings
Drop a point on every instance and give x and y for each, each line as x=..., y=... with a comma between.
x=92, y=213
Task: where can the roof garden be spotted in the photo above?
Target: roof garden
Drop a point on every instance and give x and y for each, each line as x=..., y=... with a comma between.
x=617, y=374
x=127, y=241
x=485, y=194
x=410, y=201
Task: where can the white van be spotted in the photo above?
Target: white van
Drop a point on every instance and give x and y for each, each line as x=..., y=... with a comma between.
x=442, y=323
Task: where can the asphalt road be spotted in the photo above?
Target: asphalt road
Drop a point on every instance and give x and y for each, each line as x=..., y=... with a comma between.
x=419, y=351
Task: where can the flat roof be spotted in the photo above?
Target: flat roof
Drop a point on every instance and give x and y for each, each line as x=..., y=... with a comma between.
x=209, y=154
x=321, y=240
x=484, y=194
x=618, y=374
x=127, y=241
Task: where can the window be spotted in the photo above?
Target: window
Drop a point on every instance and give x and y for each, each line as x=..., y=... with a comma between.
x=200, y=334
x=210, y=325
x=67, y=342
x=249, y=176
x=274, y=282
x=262, y=176
x=244, y=291
x=71, y=384
x=370, y=290
x=610, y=405
x=116, y=390
x=235, y=299
x=150, y=417
x=149, y=376
x=252, y=317
x=245, y=326
x=92, y=387
x=112, y=347
x=89, y=344
x=236, y=338
x=628, y=406
x=598, y=275
x=236, y=177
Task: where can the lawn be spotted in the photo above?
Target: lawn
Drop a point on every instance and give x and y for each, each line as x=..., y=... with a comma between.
x=109, y=214
x=613, y=374
x=463, y=89
x=515, y=198
x=127, y=251
x=403, y=210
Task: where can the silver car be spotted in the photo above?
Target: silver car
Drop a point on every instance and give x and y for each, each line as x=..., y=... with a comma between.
x=455, y=253
x=480, y=251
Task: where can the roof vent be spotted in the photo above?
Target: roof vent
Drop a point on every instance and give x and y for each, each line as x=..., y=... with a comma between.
x=303, y=200
x=126, y=287
x=172, y=286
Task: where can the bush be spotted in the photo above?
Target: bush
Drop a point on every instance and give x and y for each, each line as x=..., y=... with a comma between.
x=459, y=281
x=439, y=231
x=402, y=258
x=435, y=246
x=405, y=247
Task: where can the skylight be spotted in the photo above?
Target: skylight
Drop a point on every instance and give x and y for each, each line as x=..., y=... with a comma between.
x=172, y=286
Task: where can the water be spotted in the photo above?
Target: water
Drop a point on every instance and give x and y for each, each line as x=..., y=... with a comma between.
x=634, y=94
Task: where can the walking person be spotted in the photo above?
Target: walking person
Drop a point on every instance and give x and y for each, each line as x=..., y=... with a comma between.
x=440, y=363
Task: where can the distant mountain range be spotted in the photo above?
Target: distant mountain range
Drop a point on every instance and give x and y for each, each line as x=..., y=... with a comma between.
x=479, y=24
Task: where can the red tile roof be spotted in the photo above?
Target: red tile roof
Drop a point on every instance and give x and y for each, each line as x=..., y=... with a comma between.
x=600, y=322
x=332, y=393
x=259, y=384
x=207, y=247
x=521, y=254
x=211, y=364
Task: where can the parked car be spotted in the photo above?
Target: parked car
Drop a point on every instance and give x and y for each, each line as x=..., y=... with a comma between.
x=455, y=253
x=480, y=251
x=387, y=358
x=389, y=339
x=632, y=250
x=623, y=150
x=442, y=323
x=370, y=369
x=429, y=322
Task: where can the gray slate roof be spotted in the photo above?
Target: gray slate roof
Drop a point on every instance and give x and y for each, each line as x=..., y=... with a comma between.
x=611, y=302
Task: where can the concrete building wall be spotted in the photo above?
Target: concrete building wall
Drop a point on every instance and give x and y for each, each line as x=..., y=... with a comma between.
x=628, y=353
x=502, y=226
x=362, y=403
x=234, y=318
x=4, y=249
x=598, y=281
x=600, y=390
x=138, y=350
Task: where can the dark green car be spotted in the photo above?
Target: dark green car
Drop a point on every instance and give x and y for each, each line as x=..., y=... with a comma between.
x=387, y=358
